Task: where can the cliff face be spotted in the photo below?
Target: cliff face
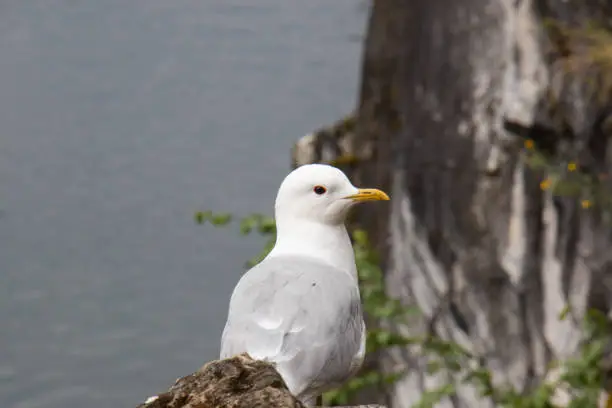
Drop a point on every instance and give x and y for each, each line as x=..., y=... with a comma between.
x=451, y=90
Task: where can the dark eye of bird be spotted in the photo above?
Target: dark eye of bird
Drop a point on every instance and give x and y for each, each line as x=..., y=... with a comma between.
x=319, y=190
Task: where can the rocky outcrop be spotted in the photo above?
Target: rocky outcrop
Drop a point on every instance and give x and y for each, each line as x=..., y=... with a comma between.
x=238, y=382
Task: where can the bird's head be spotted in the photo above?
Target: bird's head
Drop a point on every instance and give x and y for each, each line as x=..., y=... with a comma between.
x=320, y=193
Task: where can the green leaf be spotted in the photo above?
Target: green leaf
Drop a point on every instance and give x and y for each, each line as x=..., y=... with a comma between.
x=202, y=216
x=267, y=227
x=220, y=219
x=541, y=396
x=360, y=237
x=383, y=337
x=564, y=312
x=567, y=188
x=431, y=397
x=433, y=367
x=246, y=226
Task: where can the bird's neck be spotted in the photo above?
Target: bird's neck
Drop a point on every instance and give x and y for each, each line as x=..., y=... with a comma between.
x=329, y=243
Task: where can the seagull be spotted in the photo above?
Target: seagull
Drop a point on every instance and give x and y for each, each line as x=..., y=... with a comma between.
x=300, y=307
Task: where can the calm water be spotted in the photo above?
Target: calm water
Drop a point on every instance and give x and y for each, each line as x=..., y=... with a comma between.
x=119, y=119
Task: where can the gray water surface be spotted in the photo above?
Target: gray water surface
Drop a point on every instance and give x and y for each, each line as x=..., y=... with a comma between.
x=118, y=120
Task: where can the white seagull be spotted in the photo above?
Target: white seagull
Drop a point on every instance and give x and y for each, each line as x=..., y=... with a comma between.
x=300, y=307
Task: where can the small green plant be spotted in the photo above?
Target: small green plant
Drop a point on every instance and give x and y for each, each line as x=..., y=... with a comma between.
x=259, y=223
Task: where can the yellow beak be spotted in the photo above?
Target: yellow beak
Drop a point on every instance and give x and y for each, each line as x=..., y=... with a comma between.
x=369, y=194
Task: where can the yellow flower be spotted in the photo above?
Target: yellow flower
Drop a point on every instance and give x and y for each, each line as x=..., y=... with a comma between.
x=544, y=185
x=585, y=204
x=528, y=144
x=571, y=166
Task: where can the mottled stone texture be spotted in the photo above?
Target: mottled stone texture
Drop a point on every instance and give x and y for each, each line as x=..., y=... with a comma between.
x=450, y=91
x=238, y=382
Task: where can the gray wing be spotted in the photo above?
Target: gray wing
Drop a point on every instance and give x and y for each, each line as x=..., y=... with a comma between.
x=301, y=314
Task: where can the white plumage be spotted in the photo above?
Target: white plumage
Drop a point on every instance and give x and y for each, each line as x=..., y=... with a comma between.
x=300, y=307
